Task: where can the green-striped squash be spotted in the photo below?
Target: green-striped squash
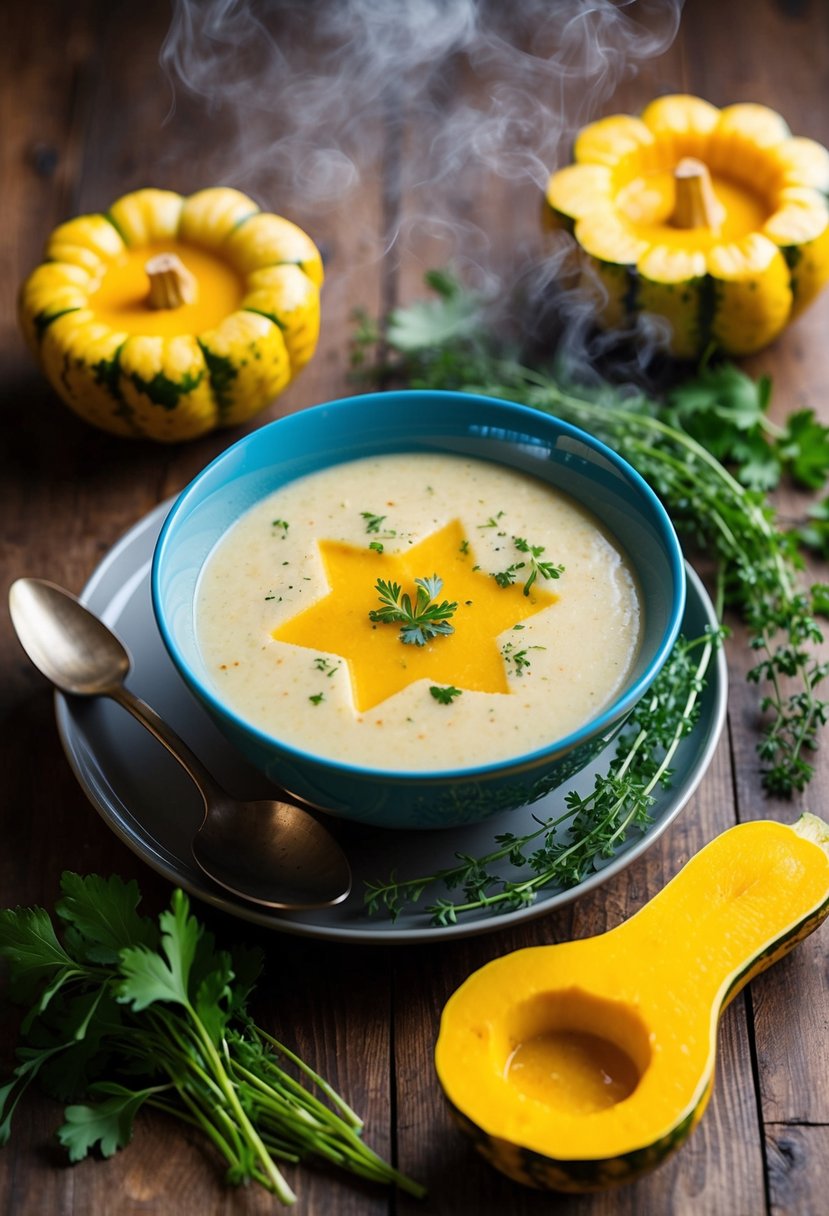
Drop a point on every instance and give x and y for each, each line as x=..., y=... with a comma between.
x=170, y=316
x=729, y=271
x=582, y=1065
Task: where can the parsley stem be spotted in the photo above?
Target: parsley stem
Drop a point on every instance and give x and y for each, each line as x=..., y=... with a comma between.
x=336, y=1099
x=276, y=1182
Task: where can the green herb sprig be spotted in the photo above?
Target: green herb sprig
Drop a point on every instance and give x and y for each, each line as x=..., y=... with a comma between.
x=373, y=522
x=445, y=695
x=126, y=1013
x=544, y=569
x=421, y=621
x=564, y=850
x=517, y=658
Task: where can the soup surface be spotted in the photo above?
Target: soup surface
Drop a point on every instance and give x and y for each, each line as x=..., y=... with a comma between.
x=417, y=611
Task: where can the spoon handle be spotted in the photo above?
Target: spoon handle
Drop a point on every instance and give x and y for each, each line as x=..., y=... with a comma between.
x=209, y=789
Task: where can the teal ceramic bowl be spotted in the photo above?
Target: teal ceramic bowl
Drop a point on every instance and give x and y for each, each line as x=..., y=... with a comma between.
x=418, y=421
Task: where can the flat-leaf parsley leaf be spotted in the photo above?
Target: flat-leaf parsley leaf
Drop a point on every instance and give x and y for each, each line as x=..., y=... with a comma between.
x=444, y=696
x=421, y=621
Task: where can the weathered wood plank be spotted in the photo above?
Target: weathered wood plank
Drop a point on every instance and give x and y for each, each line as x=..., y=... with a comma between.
x=798, y=1163
x=788, y=1003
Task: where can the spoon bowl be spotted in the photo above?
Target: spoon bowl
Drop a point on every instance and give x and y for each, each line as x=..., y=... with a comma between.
x=272, y=853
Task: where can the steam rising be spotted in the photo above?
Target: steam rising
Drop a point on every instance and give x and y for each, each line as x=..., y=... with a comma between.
x=311, y=99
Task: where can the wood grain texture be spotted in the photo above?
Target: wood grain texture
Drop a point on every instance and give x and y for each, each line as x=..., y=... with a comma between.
x=798, y=1165
x=419, y=174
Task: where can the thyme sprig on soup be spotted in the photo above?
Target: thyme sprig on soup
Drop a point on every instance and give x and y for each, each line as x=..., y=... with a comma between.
x=487, y=582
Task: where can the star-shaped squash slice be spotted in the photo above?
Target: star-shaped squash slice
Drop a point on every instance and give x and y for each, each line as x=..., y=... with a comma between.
x=379, y=663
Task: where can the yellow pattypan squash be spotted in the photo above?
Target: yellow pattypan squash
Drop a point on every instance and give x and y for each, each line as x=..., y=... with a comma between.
x=170, y=316
x=715, y=220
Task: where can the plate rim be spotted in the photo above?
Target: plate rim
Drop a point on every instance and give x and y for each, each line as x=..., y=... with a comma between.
x=147, y=850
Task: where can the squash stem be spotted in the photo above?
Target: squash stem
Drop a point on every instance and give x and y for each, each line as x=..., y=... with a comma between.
x=695, y=205
x=171, y=283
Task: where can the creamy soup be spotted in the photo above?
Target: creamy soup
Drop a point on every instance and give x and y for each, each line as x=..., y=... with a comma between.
x=417, y=611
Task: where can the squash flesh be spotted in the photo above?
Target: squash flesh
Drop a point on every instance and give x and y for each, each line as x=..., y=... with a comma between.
x=654, y=987
x=120, y=298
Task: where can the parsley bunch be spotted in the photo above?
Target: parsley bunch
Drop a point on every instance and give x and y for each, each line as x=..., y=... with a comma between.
x=711, y=453
x=126, y=1013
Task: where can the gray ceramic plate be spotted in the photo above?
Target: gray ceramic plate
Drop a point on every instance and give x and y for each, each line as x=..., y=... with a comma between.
x=148, y=801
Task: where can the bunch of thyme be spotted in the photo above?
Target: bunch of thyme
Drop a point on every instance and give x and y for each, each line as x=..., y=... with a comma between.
x=759, y=562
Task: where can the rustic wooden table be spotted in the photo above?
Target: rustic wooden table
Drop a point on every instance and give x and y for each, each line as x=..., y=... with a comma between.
x=429, y=157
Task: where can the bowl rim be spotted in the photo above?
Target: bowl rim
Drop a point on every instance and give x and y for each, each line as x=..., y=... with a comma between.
x=595, y=726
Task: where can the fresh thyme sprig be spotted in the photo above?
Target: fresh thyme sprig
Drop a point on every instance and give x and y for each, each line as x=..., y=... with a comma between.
x=759, y=563
x=570, y=846
x=421, y=621
x=710, y=454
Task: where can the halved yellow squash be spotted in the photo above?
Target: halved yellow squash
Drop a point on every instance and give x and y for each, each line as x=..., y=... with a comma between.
x=582, y=1065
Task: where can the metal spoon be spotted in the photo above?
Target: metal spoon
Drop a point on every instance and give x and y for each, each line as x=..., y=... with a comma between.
x=270, y=853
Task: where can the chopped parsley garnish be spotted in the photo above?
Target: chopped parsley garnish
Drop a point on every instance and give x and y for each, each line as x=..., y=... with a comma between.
x=505, y=578
x=317, y=698
x=421, y=621
x=445, y=696
x=374, y=523
x=321, y=663
x=492, y=522
x=518, y=658
x=282, y=524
